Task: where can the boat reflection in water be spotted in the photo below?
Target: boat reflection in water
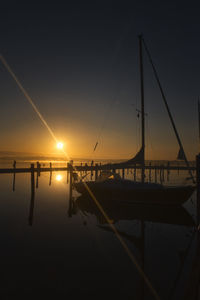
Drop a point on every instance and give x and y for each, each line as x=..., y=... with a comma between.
x=144, y=213
x=126, y=210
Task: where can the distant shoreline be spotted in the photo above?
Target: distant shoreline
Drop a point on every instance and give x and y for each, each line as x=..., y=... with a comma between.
x=10, y=156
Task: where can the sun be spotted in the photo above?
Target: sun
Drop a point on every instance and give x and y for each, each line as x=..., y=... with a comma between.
x=59, y=145
x=58, y=177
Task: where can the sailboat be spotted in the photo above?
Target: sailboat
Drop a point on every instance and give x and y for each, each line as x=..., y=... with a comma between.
x=111, y=185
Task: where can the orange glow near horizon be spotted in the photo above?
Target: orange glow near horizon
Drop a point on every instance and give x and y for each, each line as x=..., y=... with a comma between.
x=80, y=145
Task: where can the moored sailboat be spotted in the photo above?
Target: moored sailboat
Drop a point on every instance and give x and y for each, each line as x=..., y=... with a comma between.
x=118, y=189
x=141, y=192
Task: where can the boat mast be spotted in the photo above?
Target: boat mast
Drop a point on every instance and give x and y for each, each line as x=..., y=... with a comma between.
x=142, y=108
x=168, y=110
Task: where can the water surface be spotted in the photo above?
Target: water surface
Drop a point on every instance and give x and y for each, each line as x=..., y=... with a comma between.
x=56, y=246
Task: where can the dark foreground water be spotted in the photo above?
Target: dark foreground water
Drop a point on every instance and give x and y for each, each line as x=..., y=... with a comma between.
x=53, y=247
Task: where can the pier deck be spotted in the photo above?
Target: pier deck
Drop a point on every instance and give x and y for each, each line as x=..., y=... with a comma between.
x=88, y=168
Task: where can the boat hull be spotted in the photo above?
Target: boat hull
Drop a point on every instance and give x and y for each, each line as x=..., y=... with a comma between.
x=150, y=193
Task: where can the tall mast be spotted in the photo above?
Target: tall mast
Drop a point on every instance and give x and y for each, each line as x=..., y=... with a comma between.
x=167, y=107
x=142, y=108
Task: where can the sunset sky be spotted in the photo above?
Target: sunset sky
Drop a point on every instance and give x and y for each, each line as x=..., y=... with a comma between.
x=80, y=65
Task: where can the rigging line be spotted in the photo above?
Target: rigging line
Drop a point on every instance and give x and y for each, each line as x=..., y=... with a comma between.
x=30, y=101
x=124, y=245
x=168, y=110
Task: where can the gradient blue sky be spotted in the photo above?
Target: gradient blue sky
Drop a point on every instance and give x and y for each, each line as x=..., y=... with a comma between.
x=80, y=64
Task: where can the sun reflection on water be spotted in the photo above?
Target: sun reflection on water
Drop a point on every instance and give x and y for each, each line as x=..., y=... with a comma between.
x=59, y=177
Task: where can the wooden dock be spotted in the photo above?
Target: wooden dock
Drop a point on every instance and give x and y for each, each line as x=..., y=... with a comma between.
x=93, y=168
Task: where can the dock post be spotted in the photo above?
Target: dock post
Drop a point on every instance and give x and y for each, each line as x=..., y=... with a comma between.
x=32, y=179
x=155, y=174
x=50, y=177
x=134, y=172
x=30, y=219
x=70, y=180
x=70, y=172
x=160, y=174
x=96, y=171
x=168, y=170
x=163, y=174
x=38, y=168
x=14, y=167
x=150, y=172
x=67, y=172
x=86, y=168
x=198, y=187
x=92, y=164
x=123, y=173
x=38, y=173
x=81, y=170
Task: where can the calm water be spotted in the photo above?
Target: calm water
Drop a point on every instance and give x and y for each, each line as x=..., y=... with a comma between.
x=51, y=246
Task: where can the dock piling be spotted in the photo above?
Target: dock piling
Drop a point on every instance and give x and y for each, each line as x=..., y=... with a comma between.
x=155, y=174
x=30, y=219
x=122, y=173
x=134, y=173
x=50, y=176
x=96, y=171
x=150, y=172
x=14, y=167
x=70, y=179
x=38, y=174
